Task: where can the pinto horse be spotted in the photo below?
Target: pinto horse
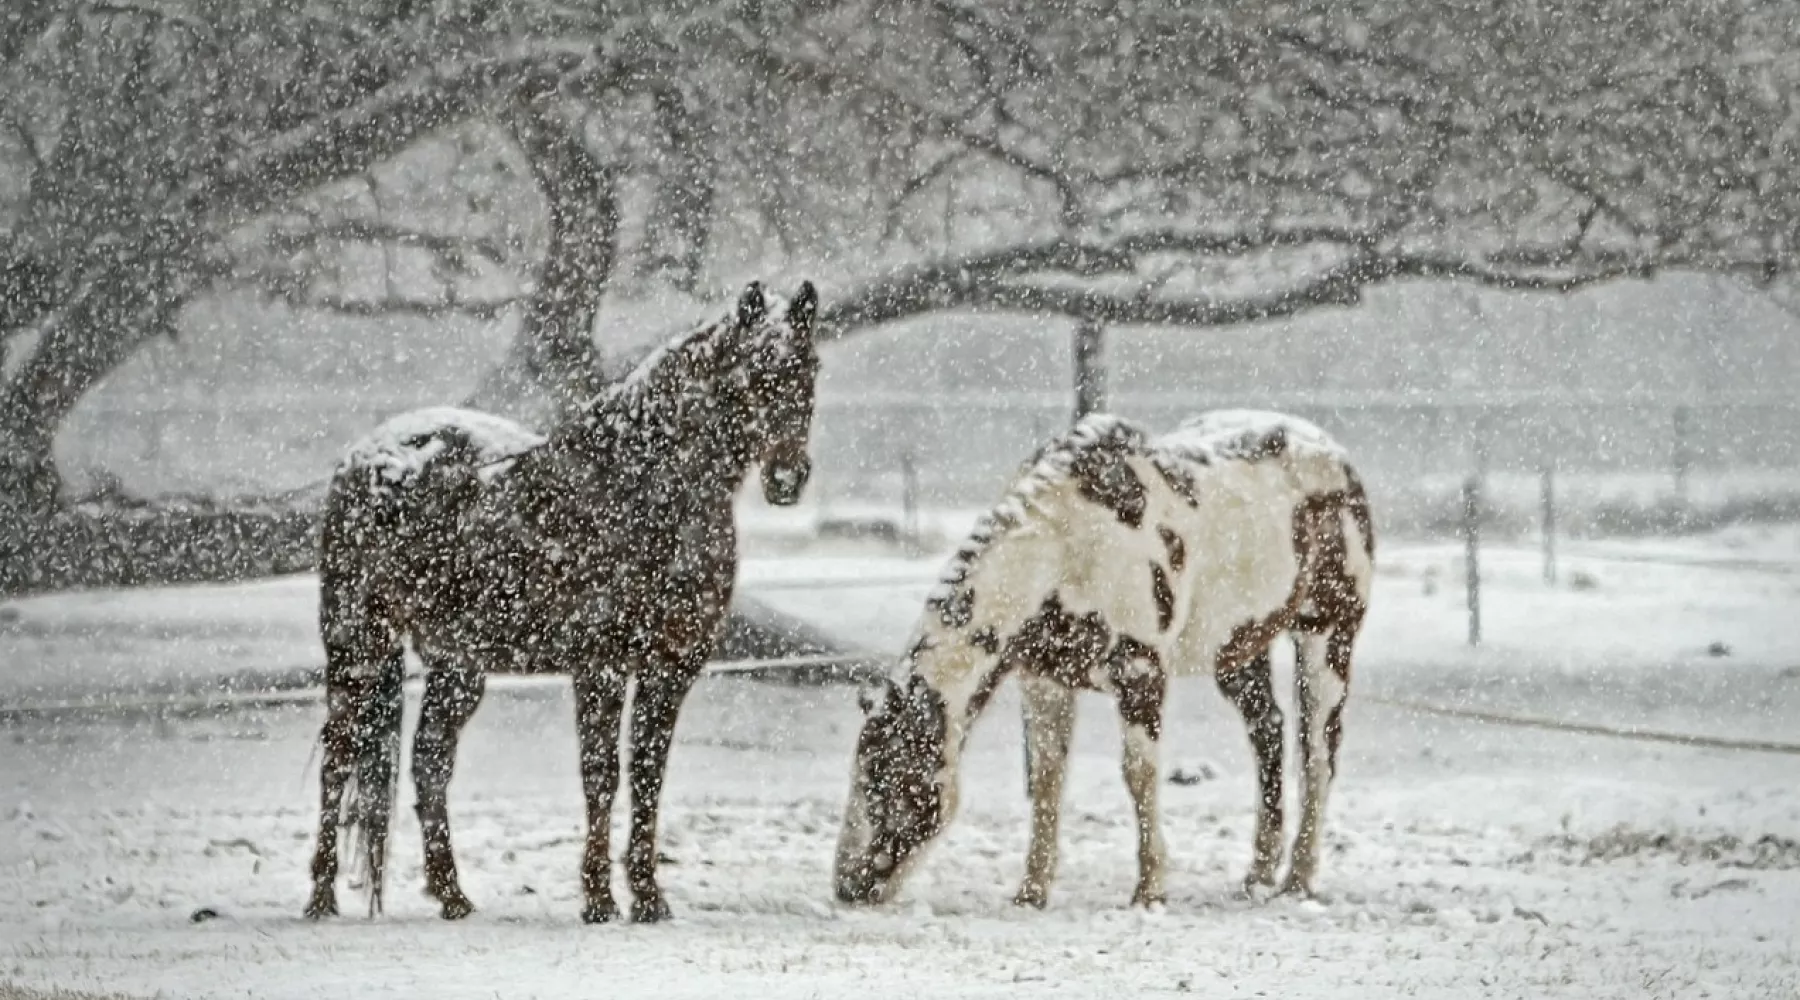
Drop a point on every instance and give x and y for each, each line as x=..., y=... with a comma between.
x=606, y=550
x=1115, y=562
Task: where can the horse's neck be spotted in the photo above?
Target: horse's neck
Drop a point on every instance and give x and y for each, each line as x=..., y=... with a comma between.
x=612, y=456
x=1004, y=586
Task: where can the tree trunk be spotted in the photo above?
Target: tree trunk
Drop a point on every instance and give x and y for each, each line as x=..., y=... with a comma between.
x=129, y=293
x=553, y=352
x=681, y=221
x=1090, y=368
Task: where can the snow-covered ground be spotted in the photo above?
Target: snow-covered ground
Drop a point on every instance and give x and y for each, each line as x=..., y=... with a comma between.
x=1465, y=859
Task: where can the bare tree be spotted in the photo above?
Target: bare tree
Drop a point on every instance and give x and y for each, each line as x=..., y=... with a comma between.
x=1201, y=166
x=1107, y=162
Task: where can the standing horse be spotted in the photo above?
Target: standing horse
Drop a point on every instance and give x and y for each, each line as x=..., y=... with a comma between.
x=607, y=551
x=1116, y=561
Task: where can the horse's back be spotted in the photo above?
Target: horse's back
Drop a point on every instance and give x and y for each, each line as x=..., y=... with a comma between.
x=1314, y=458
x=401, y=447
x=394, y=534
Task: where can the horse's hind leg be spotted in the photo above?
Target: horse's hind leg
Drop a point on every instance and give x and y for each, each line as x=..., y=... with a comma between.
x=1322, y=682
x=1251, y=688
x=655, y=707
x=599, y=700
x=337, y=763
x=452, y=693
x=1049, y=722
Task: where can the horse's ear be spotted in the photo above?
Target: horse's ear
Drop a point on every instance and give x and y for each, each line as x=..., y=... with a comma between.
x=751, y=306
x=803, y=308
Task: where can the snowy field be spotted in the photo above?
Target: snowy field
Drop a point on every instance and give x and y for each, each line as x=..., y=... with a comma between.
x=1464, y=859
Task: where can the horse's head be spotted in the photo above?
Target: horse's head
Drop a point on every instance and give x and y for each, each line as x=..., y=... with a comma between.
x=901, y=792
x=777, y=368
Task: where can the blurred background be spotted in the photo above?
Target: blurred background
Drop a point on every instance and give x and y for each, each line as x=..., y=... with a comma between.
x=1487, y=238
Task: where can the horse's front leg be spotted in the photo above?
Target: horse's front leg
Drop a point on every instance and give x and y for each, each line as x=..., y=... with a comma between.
x=1140, y=685
x=1049, y=722
x=452, y=692
x=599, y=700
x=655, y=707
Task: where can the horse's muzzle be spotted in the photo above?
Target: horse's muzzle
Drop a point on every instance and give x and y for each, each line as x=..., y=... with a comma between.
x=783, y=482
x=852, y=891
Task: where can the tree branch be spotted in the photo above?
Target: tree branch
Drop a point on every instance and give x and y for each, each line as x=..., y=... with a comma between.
x=349, y=142
x=456, y=252
x=782, y=64
x=486, y=309
x=1002, y=280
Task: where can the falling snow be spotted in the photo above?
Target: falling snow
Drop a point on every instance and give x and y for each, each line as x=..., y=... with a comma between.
x=1534, y=264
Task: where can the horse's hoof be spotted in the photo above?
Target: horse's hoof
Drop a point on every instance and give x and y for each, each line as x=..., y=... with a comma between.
x=1147, y=900
x=324, y=904
x=1033, y=896
x=457, y=908
x=1256, y=884
x=600, y=913
x=650, y=911
x=1296, y=887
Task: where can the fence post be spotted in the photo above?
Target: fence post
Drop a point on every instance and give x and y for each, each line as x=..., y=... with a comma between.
x=1547, y=496
x=1679, y=457
x=1090, y=368
x=909, y=503
x=1471, y=504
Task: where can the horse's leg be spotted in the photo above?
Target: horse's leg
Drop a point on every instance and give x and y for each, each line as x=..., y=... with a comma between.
x=337, y=762
x=1049, y=722
x=599, y=698
x=1140, y=686
x=452, y=692
x=1251, y=688
x=1321, y=682
x=655, y=708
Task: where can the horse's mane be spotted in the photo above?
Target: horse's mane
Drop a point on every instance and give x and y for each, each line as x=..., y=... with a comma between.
x=1053, y=463
x=656, y=379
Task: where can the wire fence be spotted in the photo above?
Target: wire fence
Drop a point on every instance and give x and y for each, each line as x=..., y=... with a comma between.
x=849, y=667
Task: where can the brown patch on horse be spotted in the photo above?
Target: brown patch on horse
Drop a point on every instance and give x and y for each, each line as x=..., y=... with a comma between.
x=1177, y=478
x=1060, y=646
x=1337, y=657
x=1139, y=683
x=985, y=639
x=1257, y=445
x=1174, y=547
x=1164, y=595
x=985, y=688
x=1323, y=582
x=1251, y=689
x=1106, y=479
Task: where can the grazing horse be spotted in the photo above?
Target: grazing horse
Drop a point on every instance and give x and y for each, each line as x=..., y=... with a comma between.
x=1116, y=561
x=606, y=550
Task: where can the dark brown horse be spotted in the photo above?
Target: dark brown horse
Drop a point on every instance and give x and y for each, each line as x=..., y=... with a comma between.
x=607, y=551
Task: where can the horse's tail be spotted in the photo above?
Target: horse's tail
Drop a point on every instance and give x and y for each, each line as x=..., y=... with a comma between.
x=364, y=672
